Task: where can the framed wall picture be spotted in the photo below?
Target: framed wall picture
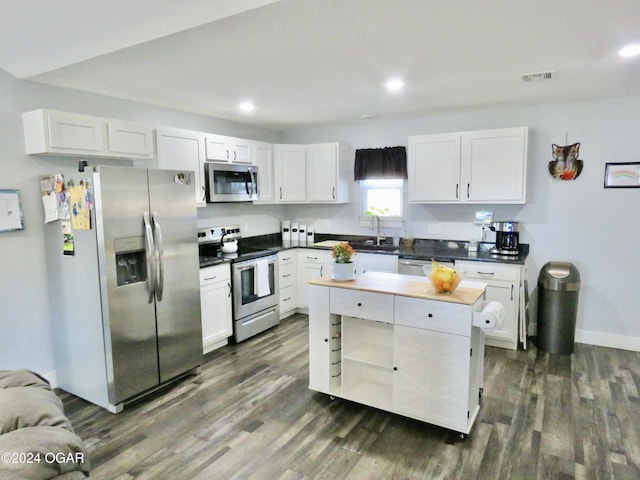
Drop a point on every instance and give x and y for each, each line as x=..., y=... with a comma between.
x=622, y=175
x=10, y=211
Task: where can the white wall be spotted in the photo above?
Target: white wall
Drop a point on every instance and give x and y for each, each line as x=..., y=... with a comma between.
x=24, y=301
x=579, y=221
x=597, y=229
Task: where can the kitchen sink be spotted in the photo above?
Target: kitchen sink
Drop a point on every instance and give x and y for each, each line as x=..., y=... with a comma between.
x=367, y=247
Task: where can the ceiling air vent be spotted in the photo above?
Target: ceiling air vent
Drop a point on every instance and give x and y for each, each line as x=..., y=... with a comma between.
x=530, y=77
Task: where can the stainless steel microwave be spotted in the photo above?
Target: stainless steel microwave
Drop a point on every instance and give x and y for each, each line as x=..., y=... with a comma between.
x=227, y=182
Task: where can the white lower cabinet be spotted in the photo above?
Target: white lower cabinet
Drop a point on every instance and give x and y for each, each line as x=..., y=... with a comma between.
x=288, y=282
x=504, y=283
x=424, y=360
x=215, y=301
x=312, y=263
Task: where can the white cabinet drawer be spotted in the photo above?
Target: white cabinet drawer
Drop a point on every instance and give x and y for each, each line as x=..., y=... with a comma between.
x=432, y=315
x=489, y=271
x=372, y=306
x=287, y=275
x=311, y=256
x=217, y=273
x=285, y=258
x=288, y=298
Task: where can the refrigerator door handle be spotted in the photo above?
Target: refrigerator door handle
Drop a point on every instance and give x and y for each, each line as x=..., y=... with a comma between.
x=149, y=251
x=159, y=246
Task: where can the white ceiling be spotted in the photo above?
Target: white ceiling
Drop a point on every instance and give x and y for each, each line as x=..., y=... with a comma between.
x=305, y=62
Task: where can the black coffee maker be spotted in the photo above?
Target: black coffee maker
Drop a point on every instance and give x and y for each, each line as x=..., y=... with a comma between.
x=507, y=240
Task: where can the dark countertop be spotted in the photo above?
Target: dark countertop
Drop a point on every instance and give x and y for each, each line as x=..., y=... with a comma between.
x=423, y=249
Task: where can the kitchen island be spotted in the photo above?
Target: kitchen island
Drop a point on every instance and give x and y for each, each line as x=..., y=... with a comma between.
x=391, y=342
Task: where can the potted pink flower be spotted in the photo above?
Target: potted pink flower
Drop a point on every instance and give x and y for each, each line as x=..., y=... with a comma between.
x=343, y=267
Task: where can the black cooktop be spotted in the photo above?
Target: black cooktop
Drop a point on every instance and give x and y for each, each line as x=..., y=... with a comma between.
x=212, y=255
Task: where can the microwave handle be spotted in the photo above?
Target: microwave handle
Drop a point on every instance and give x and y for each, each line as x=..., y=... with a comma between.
x=252, y=182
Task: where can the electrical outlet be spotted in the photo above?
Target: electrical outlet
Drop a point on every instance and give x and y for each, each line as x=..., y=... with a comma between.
x=434, y=228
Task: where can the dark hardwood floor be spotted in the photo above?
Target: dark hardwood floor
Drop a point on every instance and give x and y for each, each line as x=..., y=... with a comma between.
x=250, y=415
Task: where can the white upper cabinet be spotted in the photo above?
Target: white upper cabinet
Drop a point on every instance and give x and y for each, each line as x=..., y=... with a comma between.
x=290, y=166
x=318, y=173
x=229, y=149
x=434, y=168
x=328, y=173
x=183, y=150
x=263, y=159
x=129, y=138
x=485, y=166
x=70, y=134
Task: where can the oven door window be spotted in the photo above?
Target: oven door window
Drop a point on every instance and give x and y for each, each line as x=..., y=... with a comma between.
x=249, y=285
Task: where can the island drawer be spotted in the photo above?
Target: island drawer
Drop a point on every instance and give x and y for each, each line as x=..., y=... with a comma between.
x=355, y=303
x=433, y=315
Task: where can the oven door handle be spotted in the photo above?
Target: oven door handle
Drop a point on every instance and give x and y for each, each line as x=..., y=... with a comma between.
x=241, y=267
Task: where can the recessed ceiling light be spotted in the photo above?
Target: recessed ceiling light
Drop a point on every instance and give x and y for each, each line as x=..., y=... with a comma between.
x=394, y=85
x=247, y=107
x=630, y=50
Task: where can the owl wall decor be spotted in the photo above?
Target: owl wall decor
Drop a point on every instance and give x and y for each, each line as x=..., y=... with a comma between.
x=565, y=164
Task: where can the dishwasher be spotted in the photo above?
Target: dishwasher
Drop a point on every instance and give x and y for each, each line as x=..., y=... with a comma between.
x=409, y=266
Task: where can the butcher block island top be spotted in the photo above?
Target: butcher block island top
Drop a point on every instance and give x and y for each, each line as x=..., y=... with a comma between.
x=467, y=292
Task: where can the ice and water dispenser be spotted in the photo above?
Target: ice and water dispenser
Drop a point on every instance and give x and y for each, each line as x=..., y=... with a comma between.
x=131, y=261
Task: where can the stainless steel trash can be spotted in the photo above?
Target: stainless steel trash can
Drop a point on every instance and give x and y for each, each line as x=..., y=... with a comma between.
x=558, y=289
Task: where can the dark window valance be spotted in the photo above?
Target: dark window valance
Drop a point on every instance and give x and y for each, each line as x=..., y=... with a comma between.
x=387, y=162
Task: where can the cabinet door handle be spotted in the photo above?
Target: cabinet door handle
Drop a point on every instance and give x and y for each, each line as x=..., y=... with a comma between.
x=468, y=189
x=211, y=278
x=333, y=193
x=321, y=270
x=486, y=273
x=395, y=369
x=280, y=193
x=235, y=155
x=359, y=304
x=457, y=185
x=430, y=315
x=229, y=285
x=326, y=339
x=512, y=291
x=286, y=299
x=286, y=275
x=227, y=154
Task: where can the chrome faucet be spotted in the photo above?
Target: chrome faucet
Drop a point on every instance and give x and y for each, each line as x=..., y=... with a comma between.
x=378, y=236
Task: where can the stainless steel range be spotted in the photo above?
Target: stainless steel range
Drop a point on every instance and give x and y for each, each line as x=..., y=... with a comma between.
x=254, y=279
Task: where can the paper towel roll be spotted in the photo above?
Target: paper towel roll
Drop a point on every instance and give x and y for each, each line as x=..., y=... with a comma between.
x=491, y=317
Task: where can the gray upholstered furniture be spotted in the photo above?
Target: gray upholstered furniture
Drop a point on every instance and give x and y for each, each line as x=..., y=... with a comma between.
x=37, y=440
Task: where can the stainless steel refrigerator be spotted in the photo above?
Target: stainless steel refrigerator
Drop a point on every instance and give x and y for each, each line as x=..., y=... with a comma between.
x=126, y=304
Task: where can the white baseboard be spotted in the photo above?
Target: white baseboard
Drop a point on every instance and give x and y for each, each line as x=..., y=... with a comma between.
x=610, y=340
